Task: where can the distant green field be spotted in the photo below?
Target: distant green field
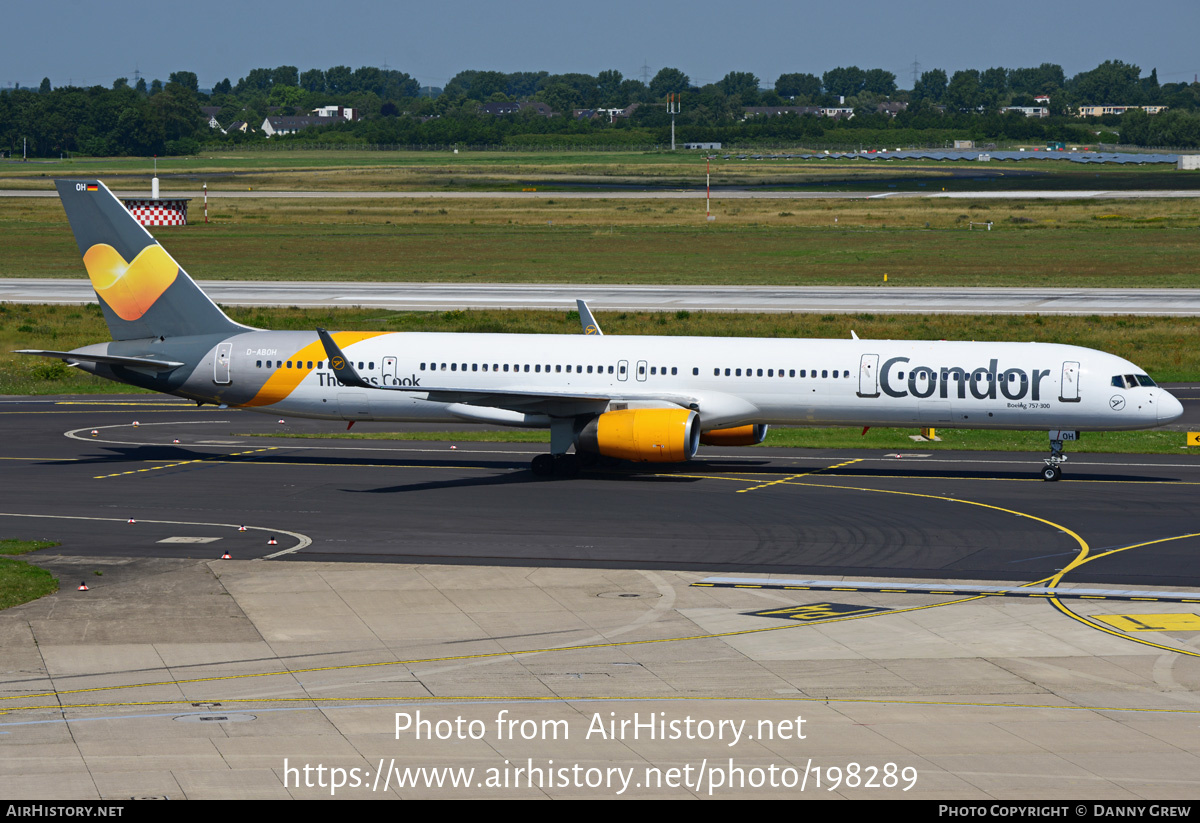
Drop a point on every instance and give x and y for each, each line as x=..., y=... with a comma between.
x=295, y=168
x=752, y=242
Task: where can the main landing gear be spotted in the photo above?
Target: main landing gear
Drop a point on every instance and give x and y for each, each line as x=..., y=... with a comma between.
x=555, y=465
x=558, y=463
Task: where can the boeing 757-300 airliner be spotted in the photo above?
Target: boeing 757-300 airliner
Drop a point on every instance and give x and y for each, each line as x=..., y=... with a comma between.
x=639, y=398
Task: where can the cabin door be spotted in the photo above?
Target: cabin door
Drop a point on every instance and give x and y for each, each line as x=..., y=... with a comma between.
x=868, y=376
x=221, y=364
x=1068, y=391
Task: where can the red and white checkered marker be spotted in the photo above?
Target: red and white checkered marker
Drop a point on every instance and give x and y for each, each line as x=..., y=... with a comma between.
x=136, y=424
x=174, y=441
x=281, y=420
x=241, y=528
x=131, y=520
x=227, y=556
x=162, y=212
x=82, y=587
x=94, y=432
x=272, y=541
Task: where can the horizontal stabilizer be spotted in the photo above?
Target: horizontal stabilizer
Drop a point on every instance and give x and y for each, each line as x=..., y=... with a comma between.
x=106, y=359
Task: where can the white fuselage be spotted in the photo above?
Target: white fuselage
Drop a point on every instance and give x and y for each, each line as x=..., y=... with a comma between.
x=728, y=381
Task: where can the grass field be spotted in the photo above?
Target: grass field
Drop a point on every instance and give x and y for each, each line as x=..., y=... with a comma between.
x=19, y=581
x=776, y=242
x=428, y=170
x=1168, y=348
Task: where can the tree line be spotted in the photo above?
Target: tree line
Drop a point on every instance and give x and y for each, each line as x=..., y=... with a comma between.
x=166, y=118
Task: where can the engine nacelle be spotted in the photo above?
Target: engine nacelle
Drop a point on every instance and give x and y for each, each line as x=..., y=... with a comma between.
x=643, y=435
x=737, y=436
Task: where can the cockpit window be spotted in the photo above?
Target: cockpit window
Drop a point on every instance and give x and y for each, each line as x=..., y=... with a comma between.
x=1132, y=381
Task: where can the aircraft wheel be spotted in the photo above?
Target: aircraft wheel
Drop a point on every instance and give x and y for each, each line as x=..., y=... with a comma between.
x=543, y=465
x=566, y=465
x=1051, y=473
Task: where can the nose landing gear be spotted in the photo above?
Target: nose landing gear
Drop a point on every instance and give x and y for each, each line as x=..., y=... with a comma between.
x=1053, y=469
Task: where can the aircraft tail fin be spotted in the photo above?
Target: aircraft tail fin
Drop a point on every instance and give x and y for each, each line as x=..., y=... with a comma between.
x=142, y=290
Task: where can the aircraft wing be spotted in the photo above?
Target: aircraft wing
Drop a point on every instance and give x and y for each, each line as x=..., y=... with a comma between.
x=107, y=359
x=555, y=403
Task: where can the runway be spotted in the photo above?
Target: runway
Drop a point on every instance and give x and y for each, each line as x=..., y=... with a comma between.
x=894, y=598
x=823, y=299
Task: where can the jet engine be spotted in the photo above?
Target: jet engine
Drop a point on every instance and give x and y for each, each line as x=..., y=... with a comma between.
x=737, y=436
x=643, y=435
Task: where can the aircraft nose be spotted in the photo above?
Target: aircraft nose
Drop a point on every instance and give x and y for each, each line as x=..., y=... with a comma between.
x=1169, y=408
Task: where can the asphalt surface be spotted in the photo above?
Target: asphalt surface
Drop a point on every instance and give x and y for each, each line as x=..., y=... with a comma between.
x=789, y=511
x=824, y=299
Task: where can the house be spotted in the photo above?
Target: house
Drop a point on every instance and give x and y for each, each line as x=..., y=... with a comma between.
x=211, y=112
x=1028, y=111
x=1097, y=111
x=891, y=107
x=336, y=111
x=838, y=111
x=290, y=125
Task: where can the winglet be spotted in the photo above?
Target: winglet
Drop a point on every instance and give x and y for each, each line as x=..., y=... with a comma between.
x=343, y=369
x=590, y=326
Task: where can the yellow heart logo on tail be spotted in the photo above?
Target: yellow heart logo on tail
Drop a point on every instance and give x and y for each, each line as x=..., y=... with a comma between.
x=130, y=289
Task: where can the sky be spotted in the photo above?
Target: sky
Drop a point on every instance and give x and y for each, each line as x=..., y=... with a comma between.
x=83, y=42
